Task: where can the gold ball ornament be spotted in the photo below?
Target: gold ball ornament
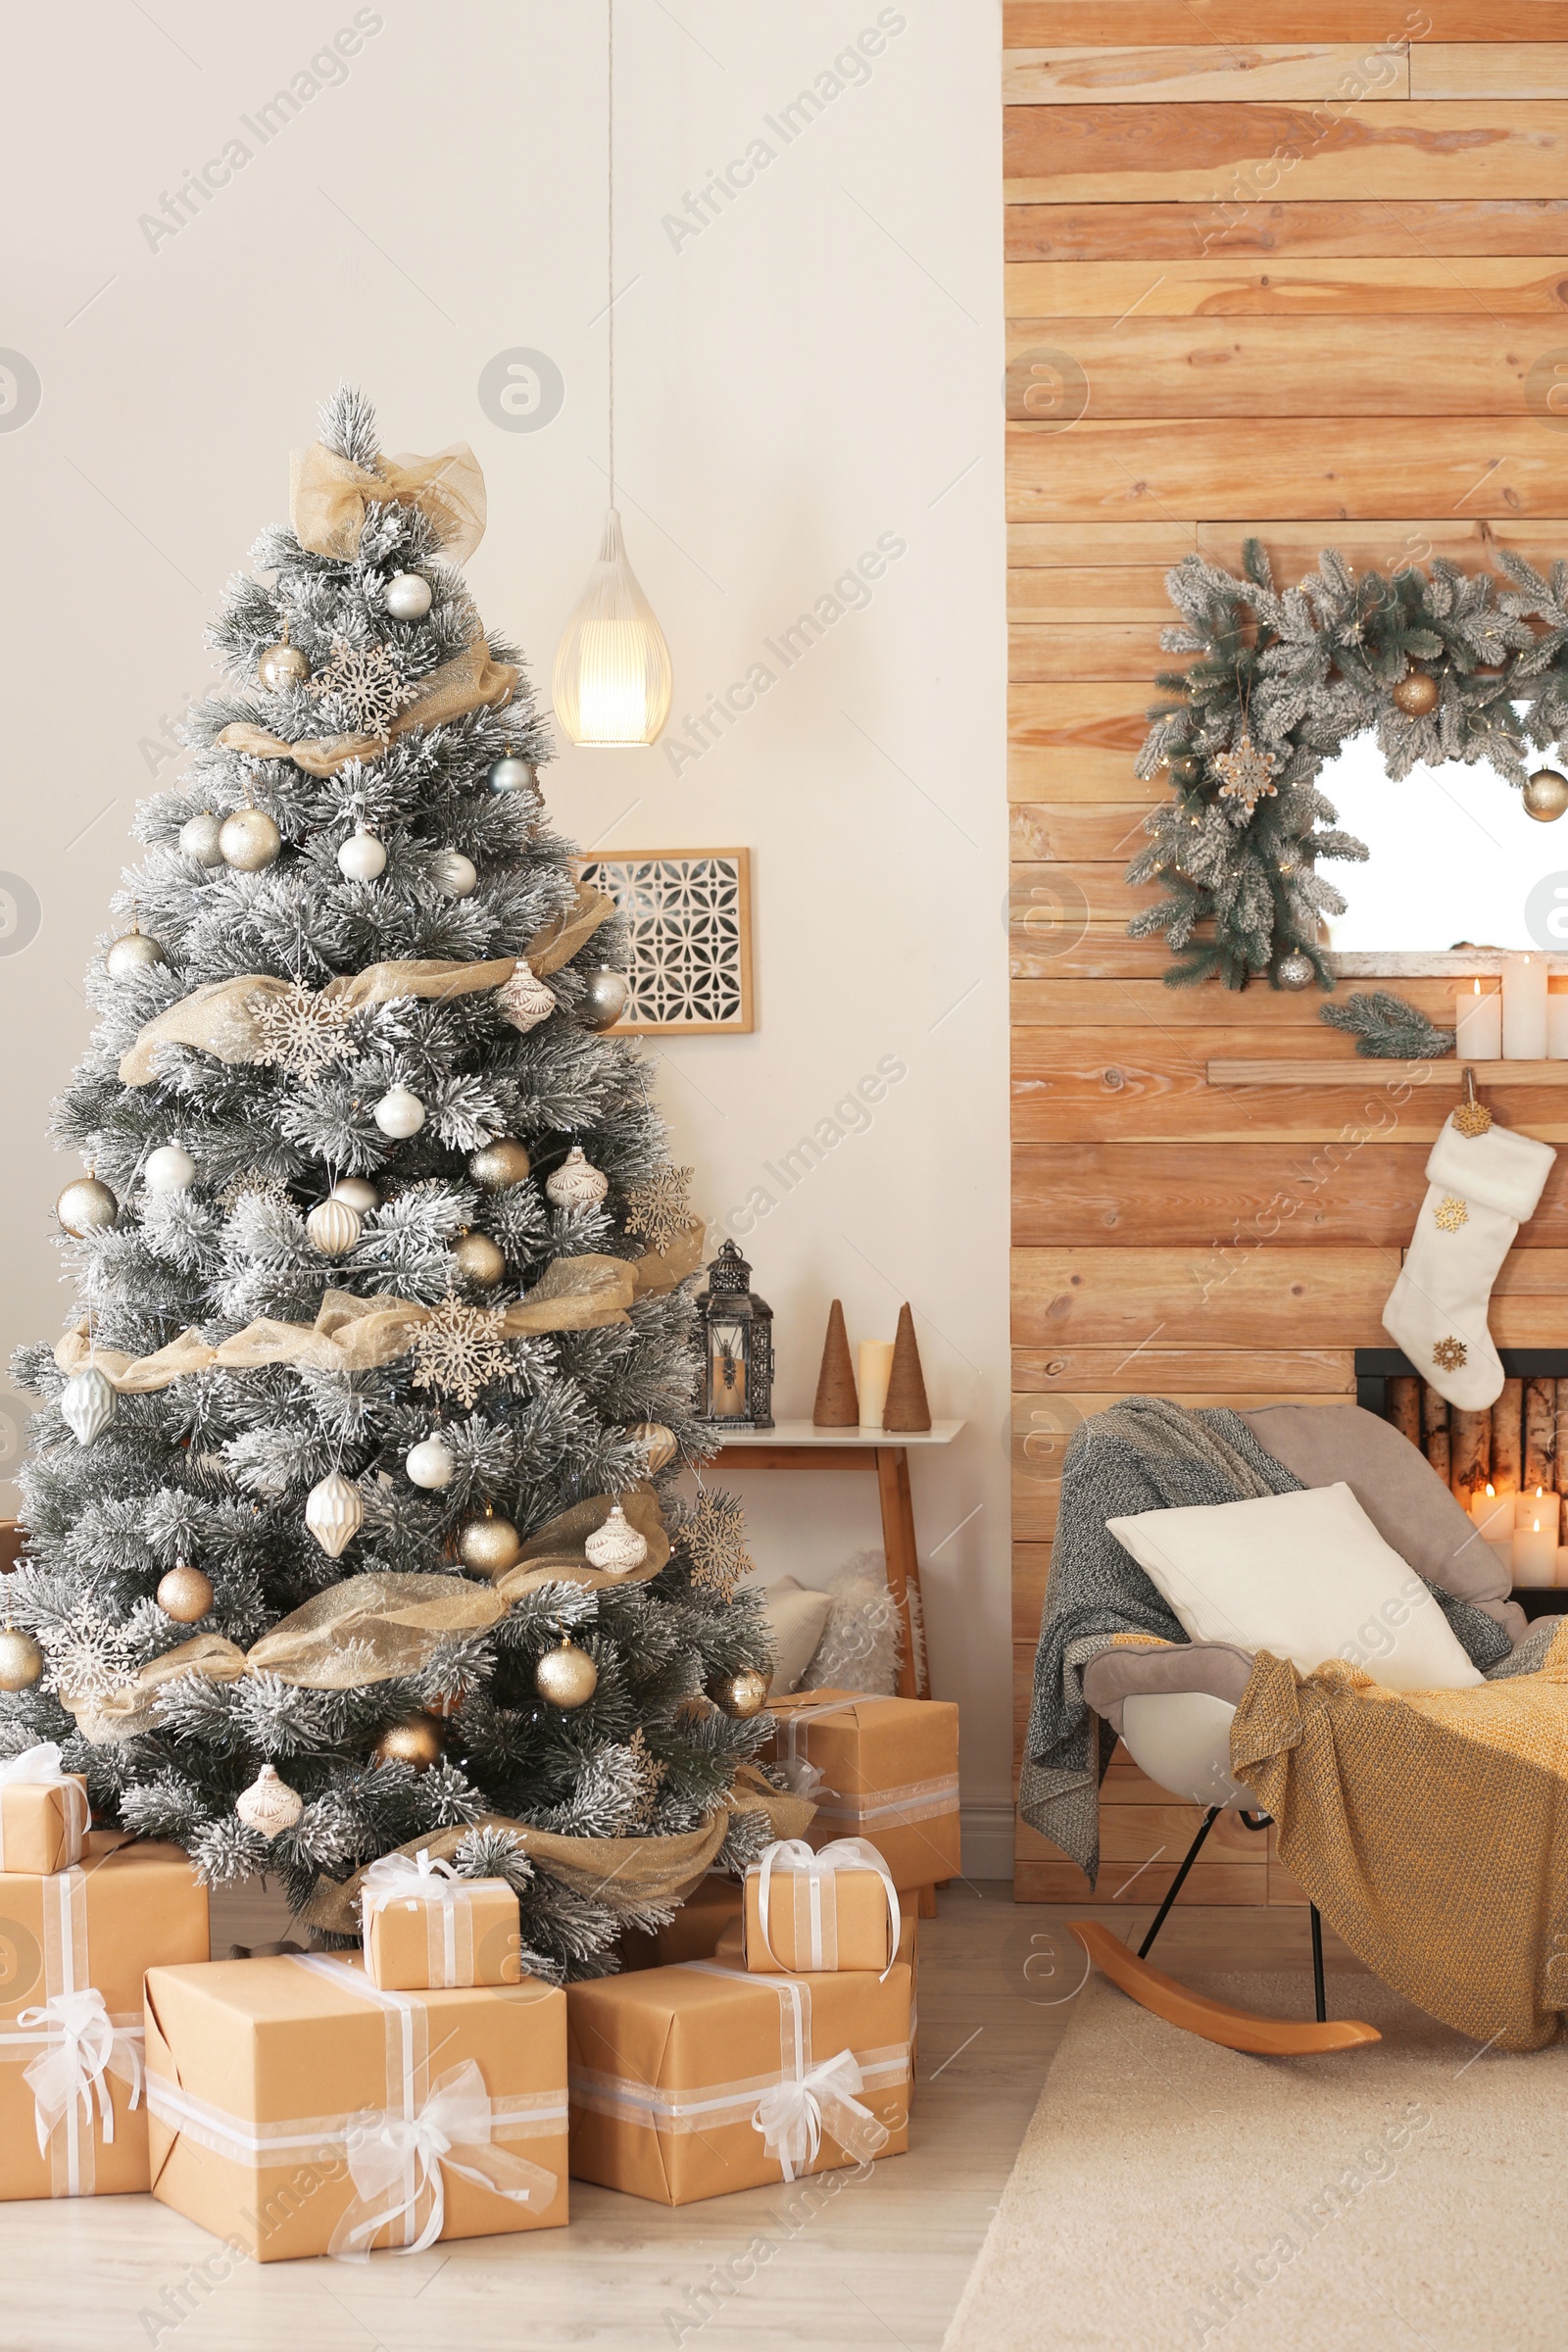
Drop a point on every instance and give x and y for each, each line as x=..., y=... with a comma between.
x=477, y=1258
x=85, y=1206
x=1295, y=970
x=566, y=1676
x=417, y=1743
x=21, y=1660
x=489, y=1544
x=1545, y=796
x=249, y=840
x=135, y=953
x=741, y=1696
x=185, y=1594
x=501, y=1164
x=283, y=664
x=1417, y=693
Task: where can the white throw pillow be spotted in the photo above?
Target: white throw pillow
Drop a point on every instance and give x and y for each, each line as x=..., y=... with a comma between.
x=797, y=1616
x=1305, y=1577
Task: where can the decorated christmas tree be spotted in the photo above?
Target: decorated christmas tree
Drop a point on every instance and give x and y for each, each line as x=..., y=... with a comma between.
x=349, y=1513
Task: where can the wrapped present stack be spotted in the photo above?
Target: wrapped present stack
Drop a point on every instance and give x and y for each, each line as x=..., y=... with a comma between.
x=760, y=2064
x=82, y=1915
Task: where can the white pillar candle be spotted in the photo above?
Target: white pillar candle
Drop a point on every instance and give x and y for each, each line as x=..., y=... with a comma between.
x=1524, y=1008
x=1534, y=1555
x=876, y=1370
x=1478, y=1021
x=1537, y=1504
x=1557, y=1027
x=1494, y=1515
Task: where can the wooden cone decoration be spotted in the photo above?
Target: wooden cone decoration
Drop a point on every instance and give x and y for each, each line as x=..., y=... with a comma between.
x=837, y=1405
x=906, y=1407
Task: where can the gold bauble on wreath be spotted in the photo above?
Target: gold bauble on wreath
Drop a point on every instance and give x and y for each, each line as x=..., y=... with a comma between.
x=21, y=1660
x=566, y=1676
x=489, y=1544
x=1545, y=796
x=185, y=1594
x=743, y=1695
x=417, y=1743
x=477, y=1258
x=1417, y=693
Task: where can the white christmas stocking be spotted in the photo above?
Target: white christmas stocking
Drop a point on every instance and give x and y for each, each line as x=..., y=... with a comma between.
x=1480, y=1189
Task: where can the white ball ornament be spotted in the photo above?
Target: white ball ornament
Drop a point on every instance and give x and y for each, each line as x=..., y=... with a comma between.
x=334, y=1513
x=454, y=875
x=430, y=1465
x=332, y=1227
x=408, y=595
x=169, y=1169
x=269, y=1805
x=198, y=838
x=87, y=1404
x=577, y=1183
x=362, y=857
x=358, y=1191
x=249, y=840
x=400, y=1113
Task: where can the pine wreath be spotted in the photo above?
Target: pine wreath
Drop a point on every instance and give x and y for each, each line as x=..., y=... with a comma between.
x=1289, y=678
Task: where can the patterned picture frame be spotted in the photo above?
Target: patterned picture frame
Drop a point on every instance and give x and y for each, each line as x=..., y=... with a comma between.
x=688, y=915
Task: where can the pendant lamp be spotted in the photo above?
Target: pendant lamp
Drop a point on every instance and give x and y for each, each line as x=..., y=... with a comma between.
x=613, y=680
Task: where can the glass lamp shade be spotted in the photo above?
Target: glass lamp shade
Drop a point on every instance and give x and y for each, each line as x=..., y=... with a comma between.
x=612, y=679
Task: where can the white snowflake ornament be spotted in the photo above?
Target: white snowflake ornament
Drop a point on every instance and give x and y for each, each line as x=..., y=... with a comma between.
x=368, y=684
x=459, y=1350
x=301, y=1033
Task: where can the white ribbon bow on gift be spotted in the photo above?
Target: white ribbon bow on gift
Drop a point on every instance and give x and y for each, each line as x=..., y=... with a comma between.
x=41, y=1767
x=802, y=1778
x=790, y=2116
x=86, y=2045
x=393, y=2161
x=845, y=1853
x=414, y=1879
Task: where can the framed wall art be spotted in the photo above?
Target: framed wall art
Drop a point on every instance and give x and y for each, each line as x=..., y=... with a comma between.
x=688, y=915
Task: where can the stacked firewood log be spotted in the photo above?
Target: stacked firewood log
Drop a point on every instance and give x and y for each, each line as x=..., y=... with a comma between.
x=1514, y=1445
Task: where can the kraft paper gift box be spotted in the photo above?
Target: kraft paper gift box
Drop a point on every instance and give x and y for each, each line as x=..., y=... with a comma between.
x=695, y=2081
x=43, y=1812
x=73, y=1945
x=426, y=1929
x=882, y=1769
x=731, y=1947
x=298, y=2108
x=809, y=1911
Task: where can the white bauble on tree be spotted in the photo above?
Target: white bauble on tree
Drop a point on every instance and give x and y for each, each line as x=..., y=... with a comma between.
x=358, y=1191
x=617, y=1547
x=454, y=875
x=511, y=775
x=523, y=1000
x=408, y=595
x=400, y=1113
x=332, y=1227
x=363, y=856
x=269, y=1805
x=169, y=1169
x=334, y=1513
x=429, y=1464
x=198, y=838
x=577, y=1183
x=87, y=1404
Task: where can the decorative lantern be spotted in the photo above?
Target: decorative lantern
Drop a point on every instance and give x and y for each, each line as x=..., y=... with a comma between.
x=736, y=1327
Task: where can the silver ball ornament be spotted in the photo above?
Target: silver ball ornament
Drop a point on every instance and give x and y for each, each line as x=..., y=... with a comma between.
x=21, y=1659
x=249, y=840
x=362, y=858
x=1545, y=796
x=86, y=1206
x=477, y=1258
x=169, y=1169
x=408, y=595
x=604, y=999
x=198, y=838
x=501, y=1164
x=454, y=875
x=281, y=666
x=430, y=1465
x=400, y=1113
x=135, y=953
x=512, y=774
x=358, y=1191
x=1295, y=970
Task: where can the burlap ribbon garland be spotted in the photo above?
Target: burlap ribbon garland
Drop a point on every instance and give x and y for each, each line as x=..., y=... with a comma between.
x=375, y=1628
x=224, y=1017
x=630, y=1874
x=328, y=497
x=470, y=681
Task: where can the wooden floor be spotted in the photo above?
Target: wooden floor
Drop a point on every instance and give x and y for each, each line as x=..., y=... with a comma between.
x=882, y=2264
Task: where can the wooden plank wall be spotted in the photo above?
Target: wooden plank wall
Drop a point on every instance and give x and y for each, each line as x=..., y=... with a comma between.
x=1315, y=287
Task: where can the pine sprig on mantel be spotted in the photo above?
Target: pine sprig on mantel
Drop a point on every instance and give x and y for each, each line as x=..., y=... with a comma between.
x=1278, y=684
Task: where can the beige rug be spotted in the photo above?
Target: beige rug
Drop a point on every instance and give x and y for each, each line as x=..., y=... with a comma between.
x=1406, y=2197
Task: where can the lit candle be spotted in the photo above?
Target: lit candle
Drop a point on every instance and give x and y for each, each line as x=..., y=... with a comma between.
x=876, y=1370
x=1539, y=1505
x=1478, y=1021
x=1557, y=1027
x=1534, y=1553
x=1494, y=1515
x=1524, y=1008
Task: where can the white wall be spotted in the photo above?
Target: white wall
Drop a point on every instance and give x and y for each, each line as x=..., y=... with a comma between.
x=816, y=367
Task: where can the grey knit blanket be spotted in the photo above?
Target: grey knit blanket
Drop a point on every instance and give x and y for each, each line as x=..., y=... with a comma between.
x=1143, y=1454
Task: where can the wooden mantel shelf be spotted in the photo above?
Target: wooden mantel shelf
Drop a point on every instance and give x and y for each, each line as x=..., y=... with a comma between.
x=1358, y=1069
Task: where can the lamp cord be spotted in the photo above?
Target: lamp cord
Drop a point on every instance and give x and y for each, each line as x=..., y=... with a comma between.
x=609, y=215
